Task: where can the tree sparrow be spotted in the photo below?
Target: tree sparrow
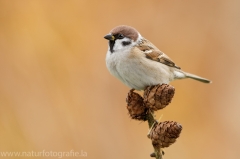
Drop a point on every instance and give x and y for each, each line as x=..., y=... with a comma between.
x=138, y=63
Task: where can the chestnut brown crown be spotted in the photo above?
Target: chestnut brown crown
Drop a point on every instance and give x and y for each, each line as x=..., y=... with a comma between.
x=126, y=31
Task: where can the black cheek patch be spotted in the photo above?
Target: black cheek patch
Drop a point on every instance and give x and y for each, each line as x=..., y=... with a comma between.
x=124, y=43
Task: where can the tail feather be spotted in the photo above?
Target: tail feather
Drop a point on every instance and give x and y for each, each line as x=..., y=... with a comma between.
x=180, y=75
x=195, y=77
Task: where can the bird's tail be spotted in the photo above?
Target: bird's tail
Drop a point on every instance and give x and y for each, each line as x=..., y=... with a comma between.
x=181, y=75
x=195, y=77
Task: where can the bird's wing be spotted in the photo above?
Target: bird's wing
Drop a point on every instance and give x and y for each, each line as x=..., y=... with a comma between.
x=154, y=54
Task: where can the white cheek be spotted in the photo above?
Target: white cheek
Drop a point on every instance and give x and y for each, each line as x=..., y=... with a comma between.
x=120, y=47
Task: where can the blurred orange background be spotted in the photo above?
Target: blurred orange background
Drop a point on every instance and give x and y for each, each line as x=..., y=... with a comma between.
x=57, y=95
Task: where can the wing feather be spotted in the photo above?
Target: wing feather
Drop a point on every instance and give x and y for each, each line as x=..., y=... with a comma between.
x=154, y=54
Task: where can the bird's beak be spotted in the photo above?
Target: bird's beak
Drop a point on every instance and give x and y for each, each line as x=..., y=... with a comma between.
x=109, y=37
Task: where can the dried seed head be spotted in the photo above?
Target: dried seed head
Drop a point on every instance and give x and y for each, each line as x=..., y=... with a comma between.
x=136, y=107
x=165, y=133
x=158, y=96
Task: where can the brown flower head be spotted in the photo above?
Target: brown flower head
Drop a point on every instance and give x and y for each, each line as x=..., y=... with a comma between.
x=165, y=133
x=136, y=107
x=158, y=96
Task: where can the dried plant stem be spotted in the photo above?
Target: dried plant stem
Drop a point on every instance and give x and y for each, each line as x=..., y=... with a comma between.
x=151, y=123
x=162, y=134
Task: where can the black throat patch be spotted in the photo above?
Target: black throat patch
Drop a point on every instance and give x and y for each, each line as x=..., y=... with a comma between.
x=111, y=45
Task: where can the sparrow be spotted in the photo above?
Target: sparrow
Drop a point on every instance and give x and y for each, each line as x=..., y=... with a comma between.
x=138, y=63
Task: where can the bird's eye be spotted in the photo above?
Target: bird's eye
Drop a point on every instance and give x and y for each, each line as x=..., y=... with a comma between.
x=120, y=36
